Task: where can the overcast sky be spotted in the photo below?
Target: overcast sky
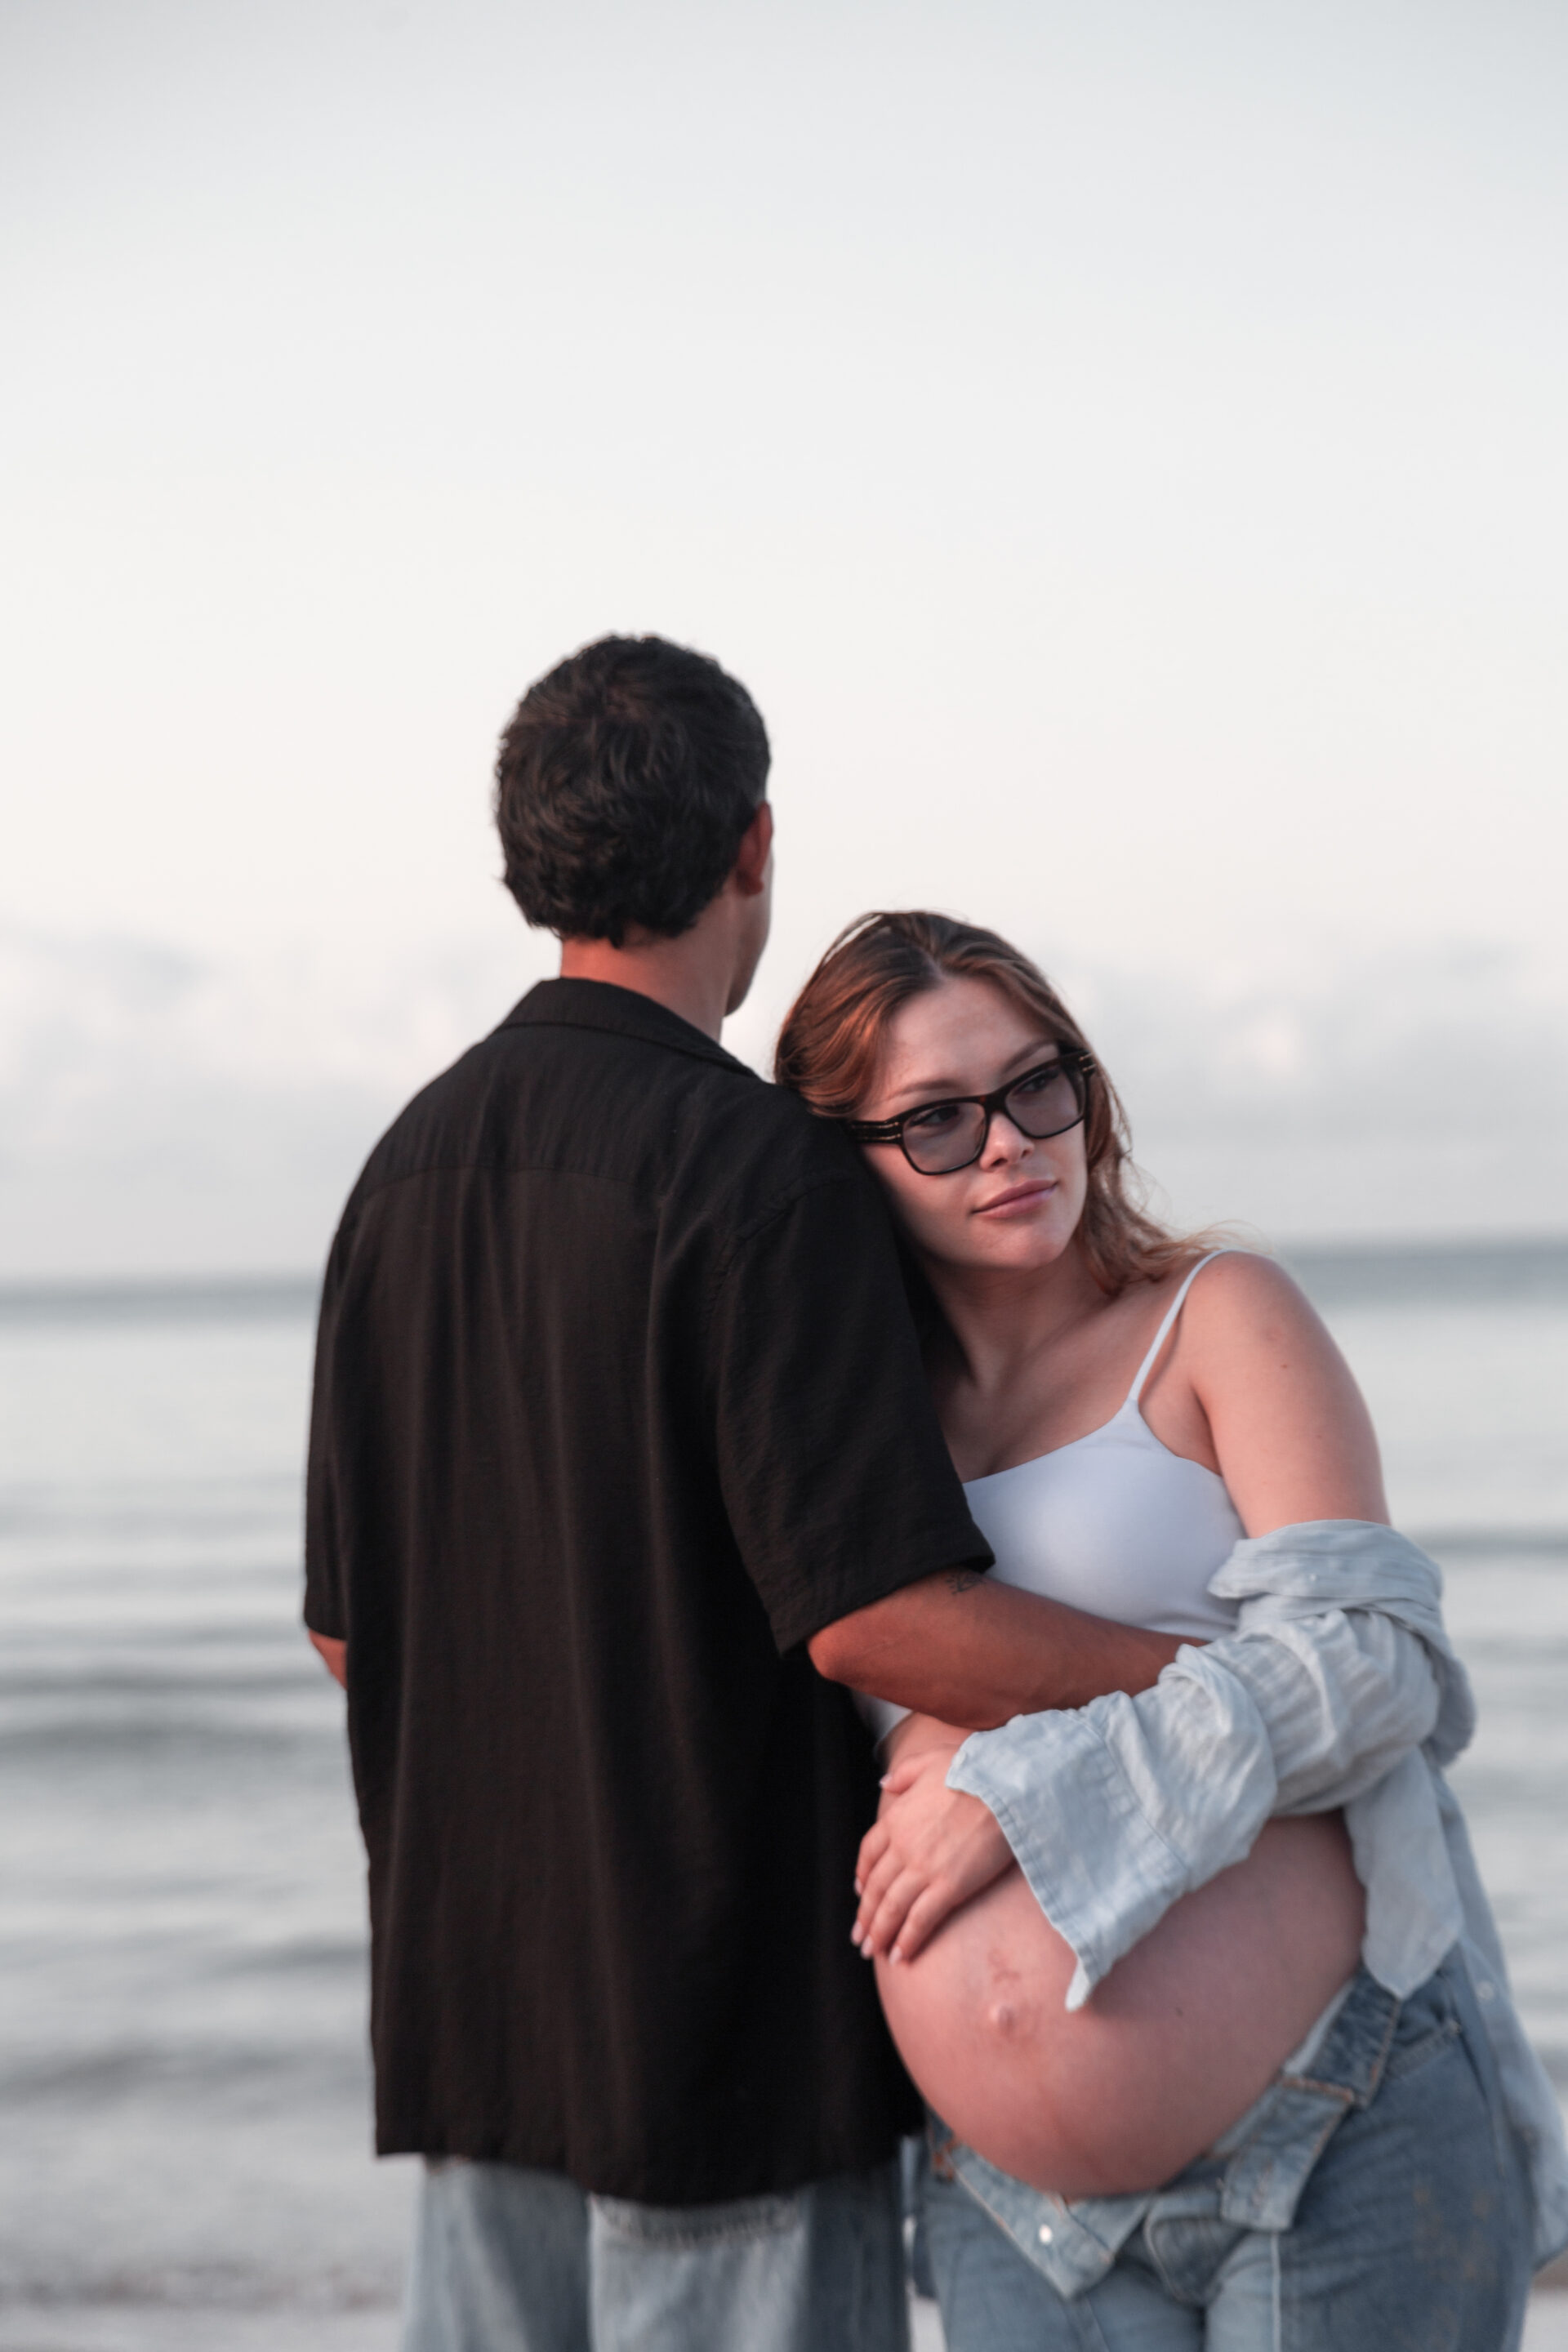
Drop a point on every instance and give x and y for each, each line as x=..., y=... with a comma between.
x=1121, y=447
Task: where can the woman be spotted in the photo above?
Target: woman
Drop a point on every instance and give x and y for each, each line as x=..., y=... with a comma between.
x=1169, y=2158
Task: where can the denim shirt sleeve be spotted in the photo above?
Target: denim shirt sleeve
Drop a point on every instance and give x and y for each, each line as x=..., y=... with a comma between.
x=1336, y=1678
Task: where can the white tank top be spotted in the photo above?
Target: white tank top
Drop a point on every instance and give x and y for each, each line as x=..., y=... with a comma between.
x=1114, y=1523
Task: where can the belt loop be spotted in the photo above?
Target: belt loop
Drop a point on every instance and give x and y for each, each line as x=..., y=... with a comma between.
x=1263, y=2182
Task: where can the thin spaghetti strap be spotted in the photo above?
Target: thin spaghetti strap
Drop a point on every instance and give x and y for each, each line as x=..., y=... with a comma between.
x=1163, y=1333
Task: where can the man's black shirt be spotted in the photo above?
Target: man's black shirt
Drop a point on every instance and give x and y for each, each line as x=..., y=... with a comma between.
x=617, y=1401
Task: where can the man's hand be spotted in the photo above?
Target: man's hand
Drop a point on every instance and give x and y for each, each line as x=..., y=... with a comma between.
x=930, y=1850
x=333, y=1654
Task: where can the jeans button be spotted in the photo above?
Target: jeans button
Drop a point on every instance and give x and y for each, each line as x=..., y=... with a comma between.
x=1047, y=2233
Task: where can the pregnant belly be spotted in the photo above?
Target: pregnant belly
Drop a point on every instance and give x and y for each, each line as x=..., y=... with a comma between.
x=1168, y=2052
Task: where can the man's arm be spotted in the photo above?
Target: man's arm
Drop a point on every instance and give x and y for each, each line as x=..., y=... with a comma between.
x=974, y=1653
x=1294, y=1444
x=333, y=1654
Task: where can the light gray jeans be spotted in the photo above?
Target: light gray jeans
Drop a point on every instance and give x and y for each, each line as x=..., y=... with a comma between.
x=507, y=2260
x=1377, y=2204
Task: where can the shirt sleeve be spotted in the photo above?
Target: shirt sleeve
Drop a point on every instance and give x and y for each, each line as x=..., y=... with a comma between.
x=1117, y=1809
x=834, y=1474
x=326, y=1600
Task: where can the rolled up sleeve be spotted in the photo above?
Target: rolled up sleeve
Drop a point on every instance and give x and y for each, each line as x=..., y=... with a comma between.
x=1345, y=1698
x=1117, y=1809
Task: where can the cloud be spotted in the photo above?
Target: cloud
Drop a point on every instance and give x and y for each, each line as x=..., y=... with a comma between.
x=1324, y=1089
x=160, y=1112
x=164, y=1112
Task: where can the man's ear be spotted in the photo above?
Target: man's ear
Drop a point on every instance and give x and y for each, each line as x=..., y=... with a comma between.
x=750, y=871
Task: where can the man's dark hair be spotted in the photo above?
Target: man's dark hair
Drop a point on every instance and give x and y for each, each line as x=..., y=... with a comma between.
x=624, y=786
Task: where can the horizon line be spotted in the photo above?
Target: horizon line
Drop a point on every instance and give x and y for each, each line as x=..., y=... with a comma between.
x=263, y=1292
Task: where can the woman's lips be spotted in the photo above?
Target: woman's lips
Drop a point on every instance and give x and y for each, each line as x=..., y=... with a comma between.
x=1019, y=1197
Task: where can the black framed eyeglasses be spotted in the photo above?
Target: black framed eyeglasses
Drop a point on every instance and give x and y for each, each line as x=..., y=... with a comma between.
x=938, y=1139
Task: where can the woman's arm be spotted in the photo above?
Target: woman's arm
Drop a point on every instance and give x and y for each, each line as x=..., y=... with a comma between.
x=1337, y=1673
x=1253, y=1370
x=1254, y=1386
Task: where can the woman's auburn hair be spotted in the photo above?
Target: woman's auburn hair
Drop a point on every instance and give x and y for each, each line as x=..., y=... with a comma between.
x=833, y=1035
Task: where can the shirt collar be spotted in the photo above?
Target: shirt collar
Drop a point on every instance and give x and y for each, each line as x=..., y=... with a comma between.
x=600, y=1004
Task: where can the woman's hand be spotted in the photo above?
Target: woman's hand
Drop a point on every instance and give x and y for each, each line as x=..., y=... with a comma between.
x=930, y=1850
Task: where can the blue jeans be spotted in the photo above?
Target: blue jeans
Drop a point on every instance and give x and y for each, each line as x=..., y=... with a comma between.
x=1377, y=2206
x=507, y=2260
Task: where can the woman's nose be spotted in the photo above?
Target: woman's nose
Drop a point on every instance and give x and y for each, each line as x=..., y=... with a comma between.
x=1004, y=1143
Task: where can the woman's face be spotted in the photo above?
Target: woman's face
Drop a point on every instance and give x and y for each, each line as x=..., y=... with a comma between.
x=1018, y=1204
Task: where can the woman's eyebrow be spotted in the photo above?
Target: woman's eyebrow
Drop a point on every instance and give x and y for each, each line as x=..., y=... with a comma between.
x=920, y=1090
x=1029, y=1057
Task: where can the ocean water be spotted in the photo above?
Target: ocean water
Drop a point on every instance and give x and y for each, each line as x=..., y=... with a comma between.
x=181, y=1948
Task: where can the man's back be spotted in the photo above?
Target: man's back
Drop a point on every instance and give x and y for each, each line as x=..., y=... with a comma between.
x=616, y=1405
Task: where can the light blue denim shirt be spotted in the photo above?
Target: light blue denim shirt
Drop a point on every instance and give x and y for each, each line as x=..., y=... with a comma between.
x=1338, y=1688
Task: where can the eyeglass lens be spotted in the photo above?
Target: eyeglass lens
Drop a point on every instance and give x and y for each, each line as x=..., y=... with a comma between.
x=947, y=1135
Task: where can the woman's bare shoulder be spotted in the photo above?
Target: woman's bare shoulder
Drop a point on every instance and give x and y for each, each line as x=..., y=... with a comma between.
x=1243, y=1315
x=1290, y=1429
x=1247, y=1319
x=1243, y=1289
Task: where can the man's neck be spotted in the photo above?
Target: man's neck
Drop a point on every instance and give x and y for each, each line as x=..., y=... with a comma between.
x=682, y=974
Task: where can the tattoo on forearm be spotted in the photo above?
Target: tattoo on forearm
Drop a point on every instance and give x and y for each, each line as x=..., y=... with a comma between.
x=962, y=1580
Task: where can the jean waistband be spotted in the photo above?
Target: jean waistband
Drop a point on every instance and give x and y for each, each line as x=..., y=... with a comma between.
x=1263, y=2180
x=1257, y=2186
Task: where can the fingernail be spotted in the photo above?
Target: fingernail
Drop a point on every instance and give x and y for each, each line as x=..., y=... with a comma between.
x=895, y=1954
x=884, y=1780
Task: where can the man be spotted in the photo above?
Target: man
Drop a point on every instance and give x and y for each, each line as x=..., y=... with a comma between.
x=618, y=1409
